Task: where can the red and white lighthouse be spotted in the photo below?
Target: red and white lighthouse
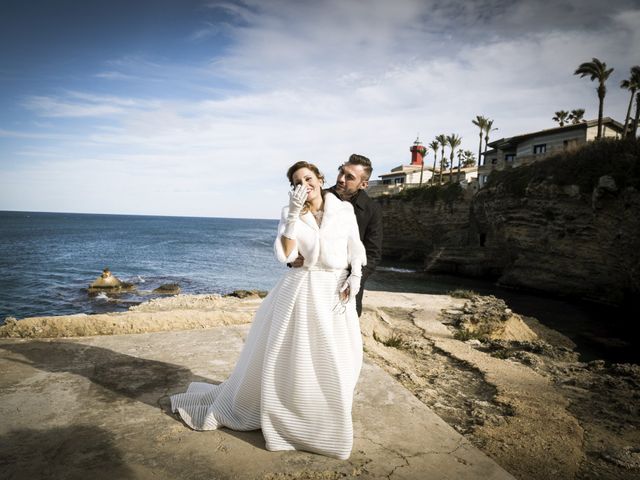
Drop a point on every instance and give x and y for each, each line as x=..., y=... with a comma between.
x=418, y=152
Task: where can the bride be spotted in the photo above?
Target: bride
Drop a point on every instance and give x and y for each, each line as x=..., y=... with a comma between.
x=296, y=374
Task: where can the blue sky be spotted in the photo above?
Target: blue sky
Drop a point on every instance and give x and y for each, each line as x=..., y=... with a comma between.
x=184, y=107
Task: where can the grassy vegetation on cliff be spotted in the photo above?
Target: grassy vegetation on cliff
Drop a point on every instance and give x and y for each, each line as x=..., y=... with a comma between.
x=462, y=293
x=618, y=158
x=447, y=193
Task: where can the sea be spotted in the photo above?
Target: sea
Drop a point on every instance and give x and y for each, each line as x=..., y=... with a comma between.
x=48, y=261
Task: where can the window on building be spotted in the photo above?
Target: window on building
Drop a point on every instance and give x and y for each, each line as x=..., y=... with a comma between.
x=509, y=157
x=398, y=180
x=386, y=181
x=542, y=148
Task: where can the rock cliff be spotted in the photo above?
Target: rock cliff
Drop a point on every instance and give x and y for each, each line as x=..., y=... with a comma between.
x=568, y=225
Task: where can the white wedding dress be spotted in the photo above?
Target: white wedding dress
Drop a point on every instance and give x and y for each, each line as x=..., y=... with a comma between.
x=296, y=374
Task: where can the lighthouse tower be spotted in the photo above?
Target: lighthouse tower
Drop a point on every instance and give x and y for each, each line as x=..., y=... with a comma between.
x=417, y=152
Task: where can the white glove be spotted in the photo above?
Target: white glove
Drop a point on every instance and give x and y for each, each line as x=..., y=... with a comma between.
x=296, y=204
x=353, y=285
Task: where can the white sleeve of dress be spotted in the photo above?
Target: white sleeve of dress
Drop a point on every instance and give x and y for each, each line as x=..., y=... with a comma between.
x=279, y=250
x=357, y=252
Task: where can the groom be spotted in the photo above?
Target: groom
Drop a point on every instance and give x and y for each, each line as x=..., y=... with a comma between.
x=353, y=179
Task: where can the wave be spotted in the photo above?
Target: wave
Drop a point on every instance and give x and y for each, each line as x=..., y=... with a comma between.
x=397, y=270
x=102, y=297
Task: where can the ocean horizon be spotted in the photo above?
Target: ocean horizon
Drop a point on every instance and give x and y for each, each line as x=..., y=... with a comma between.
x=132, y=215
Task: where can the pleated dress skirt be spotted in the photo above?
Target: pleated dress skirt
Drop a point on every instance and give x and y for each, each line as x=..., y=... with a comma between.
x=296, y=375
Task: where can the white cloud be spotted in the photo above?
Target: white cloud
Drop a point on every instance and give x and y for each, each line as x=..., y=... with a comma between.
x=321, y=80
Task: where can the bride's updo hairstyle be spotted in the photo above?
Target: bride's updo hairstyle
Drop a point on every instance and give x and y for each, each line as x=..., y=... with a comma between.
x=302, y=164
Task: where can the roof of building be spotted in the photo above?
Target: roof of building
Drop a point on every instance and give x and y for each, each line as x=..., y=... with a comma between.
x=463, y=169
x=404, y=170
x=503, y=143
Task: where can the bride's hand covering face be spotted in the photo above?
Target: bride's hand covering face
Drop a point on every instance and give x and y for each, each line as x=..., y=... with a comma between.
x=297, y=200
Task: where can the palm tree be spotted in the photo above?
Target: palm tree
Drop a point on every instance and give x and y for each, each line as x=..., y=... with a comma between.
x=637, y=119
x=442, y=140
x=576, y=116
x=597, y=70
x=480, y=122
x=469, y=159
x=460, y=157
x=454, y=142
x=434, y=146
x=487, y=130
x=632, y=84
x=561, y=117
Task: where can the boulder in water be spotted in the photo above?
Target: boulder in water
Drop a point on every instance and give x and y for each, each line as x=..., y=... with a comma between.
x=109, y=282
x=168, y=289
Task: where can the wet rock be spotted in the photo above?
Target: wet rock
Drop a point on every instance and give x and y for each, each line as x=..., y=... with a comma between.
x=247, y=293
x=106, y=280
x=109, y=283
x=168, y=289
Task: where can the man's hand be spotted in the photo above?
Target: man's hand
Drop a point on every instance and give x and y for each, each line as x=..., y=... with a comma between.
x=298, y=262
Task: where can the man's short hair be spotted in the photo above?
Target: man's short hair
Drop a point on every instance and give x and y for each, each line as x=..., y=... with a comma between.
x=356, y=159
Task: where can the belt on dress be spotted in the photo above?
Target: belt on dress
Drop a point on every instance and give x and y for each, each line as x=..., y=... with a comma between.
x=315, y=268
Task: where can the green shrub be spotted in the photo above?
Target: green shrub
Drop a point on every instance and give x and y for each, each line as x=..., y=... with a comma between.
x=396, y=340
x=461, y=293
x=448, y=193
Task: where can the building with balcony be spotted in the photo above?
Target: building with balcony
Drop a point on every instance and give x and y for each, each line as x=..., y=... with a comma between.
x=532, y=147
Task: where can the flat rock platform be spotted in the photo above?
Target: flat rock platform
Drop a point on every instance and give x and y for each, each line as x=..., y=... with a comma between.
x=97, y=408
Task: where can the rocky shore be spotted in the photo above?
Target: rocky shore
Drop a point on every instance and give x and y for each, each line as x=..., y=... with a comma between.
x=180, y=312
x=512, y=387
